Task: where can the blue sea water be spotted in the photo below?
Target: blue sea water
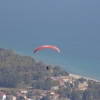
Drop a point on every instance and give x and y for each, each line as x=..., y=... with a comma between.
x=73, y=26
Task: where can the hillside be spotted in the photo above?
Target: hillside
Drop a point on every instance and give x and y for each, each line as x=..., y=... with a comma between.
x=17, y=70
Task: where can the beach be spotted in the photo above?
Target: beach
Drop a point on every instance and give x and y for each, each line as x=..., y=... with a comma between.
x=78, y=76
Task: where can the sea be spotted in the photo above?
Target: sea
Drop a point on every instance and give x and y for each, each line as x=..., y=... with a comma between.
x=72, y=26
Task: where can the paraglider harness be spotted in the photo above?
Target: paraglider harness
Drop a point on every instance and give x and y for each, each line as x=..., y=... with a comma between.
x=47, y=67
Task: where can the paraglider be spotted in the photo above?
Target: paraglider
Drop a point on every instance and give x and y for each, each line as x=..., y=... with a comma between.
x=46, y=47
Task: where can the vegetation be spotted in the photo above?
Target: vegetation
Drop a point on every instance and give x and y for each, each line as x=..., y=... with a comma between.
x=17, y=71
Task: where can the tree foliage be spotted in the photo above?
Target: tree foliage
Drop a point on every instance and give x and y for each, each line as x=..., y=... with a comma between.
x=16, y=70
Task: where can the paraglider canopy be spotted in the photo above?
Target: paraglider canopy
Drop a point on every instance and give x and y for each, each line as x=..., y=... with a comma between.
x=46, y=47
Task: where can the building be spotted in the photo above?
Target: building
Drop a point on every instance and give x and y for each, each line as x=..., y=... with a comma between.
x=61, y=83
x=54, y=88
x=11, y=97
x=55, y=96
x=23, y=91
x=2, y=96
x=65, y=79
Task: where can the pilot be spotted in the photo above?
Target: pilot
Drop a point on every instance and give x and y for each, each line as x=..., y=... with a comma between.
x=47, y=67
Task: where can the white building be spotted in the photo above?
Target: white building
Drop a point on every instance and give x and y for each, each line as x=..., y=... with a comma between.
x=23, y=91
x=2, y=96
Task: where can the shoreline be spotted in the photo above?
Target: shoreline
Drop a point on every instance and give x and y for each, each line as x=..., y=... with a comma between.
x=76, y=76
x=79, y=76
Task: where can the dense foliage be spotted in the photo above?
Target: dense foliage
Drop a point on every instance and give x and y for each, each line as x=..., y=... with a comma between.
x=16, y=70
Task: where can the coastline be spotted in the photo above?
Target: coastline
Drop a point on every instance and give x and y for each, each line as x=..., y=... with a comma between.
x=79, y=76
x=36, y=58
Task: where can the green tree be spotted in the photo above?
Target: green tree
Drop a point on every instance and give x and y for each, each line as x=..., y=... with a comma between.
x=76, y=95
x=45, y=98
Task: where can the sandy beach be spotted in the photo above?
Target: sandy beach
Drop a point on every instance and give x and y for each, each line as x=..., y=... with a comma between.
x=78, y=76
